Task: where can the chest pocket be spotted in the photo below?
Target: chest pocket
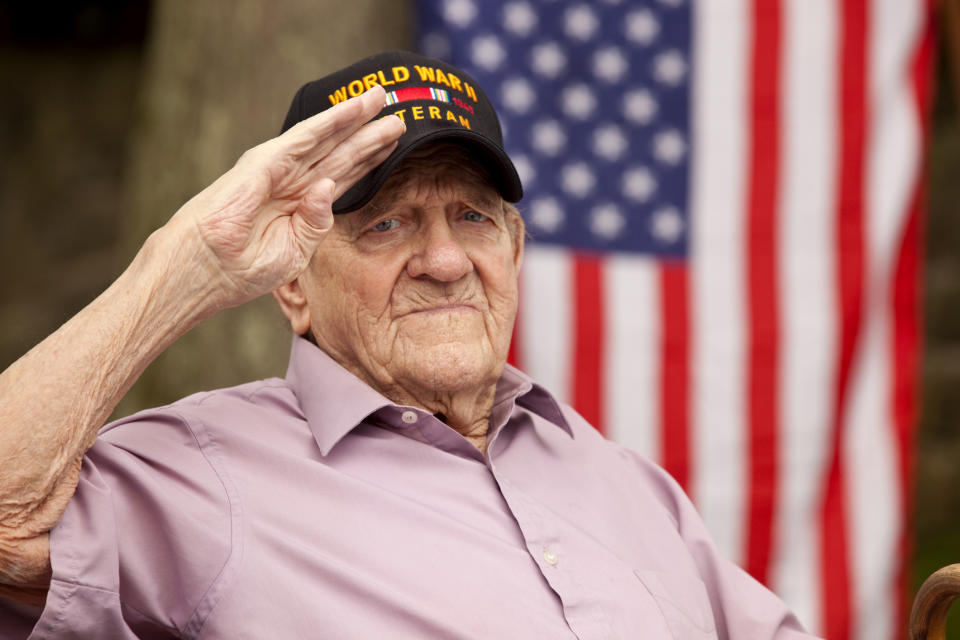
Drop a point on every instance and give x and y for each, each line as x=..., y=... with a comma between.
x=683, y=601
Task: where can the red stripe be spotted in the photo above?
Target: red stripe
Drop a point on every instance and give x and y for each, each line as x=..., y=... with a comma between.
x=516, y=346
x=852, y=89
x=588, y=301
x=905, y=349
x=906, y=296
x=413, y=93
x=763, y=285
x=674, y=372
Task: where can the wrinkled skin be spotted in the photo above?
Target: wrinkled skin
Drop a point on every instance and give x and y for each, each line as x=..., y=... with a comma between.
x=416, y=293
x=254, y=229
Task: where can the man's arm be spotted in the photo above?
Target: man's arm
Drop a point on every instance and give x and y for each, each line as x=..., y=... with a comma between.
x=251, y=231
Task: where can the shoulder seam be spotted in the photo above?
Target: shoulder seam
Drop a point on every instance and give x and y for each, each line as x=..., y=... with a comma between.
x=221, y=582
x=258, y=387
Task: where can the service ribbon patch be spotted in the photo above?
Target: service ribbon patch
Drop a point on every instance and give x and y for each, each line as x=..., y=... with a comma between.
x=417, y=93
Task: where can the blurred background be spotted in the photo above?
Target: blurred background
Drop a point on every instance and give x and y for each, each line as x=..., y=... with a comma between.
x=114, y=113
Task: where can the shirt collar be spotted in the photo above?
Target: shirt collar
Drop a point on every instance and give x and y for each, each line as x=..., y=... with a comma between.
x=516, y=386
x=334, y=401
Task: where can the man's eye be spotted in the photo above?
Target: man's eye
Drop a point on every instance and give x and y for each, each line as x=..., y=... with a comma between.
x=474, y=216
x=386, y=225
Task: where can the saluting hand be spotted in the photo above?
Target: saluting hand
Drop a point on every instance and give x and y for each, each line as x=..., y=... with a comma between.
x=259, y=224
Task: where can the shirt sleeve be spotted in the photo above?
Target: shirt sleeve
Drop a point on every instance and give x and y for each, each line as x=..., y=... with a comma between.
x=742, y=606
x=144, y=545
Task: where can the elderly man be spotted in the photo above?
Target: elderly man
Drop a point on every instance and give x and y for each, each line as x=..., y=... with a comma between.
x=402, y=481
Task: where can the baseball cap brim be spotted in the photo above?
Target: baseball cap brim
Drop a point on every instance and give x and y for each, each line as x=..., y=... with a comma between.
x=491, y=157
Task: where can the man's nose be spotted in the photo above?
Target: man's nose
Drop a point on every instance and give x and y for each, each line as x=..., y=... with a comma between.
x=439, y=254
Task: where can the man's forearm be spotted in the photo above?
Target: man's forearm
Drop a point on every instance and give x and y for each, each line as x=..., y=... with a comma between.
x=54, y=398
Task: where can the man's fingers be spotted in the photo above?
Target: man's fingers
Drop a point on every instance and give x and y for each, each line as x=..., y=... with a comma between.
x=360, y=153
x=368, y=140
x=354, y=172
x=314, y=137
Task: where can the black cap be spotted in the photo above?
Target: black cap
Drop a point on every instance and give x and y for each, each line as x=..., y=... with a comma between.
x=436, y=101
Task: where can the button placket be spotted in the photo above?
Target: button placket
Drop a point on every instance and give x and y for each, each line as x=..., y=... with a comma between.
x=532, y=521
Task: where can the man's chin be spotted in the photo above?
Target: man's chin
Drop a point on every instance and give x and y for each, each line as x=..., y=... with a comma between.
x=451, y=367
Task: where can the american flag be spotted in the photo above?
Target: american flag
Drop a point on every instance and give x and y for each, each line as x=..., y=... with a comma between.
x=724, y=199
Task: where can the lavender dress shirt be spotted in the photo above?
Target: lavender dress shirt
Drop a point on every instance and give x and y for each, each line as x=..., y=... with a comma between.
x=313, y=507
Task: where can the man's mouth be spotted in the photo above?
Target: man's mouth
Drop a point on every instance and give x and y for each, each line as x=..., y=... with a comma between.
x=443, y=309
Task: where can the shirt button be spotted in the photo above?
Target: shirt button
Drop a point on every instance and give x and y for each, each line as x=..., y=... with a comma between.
x=550, y=557
x=409, y=416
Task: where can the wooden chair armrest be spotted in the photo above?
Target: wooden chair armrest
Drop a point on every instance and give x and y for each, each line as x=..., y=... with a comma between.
x=928, y=618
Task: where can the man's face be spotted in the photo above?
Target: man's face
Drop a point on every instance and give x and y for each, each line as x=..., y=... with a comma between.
x=417, y=291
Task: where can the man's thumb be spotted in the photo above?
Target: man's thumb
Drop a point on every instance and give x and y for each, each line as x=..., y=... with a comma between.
x=314, y=216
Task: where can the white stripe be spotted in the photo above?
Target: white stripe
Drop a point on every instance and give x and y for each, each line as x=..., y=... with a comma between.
x=717, y=289
x=633, y=339
x=874, y=492
x=807, y=291
x=546, y=318
x=872, y=496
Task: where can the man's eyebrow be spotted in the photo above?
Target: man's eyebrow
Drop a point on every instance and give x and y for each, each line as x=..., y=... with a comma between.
x=368, y=212
x=473, y=195
x=483, y=198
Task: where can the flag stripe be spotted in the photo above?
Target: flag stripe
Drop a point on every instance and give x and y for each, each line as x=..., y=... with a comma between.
x=674, y=368
x=808, y=335
x=514, y=350
x=761, y=273
x=894, y=152
x=849, y=246
x=632, y=355
x=907, y=336
x=546, y=331
x=868, y=474
x=588, y=338
x=717, y=304
x=906, y=348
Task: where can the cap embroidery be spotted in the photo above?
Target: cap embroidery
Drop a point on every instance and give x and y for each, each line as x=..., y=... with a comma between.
x=417, y=93
x=356, y=87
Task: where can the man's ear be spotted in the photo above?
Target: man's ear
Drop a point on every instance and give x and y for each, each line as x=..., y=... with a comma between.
x=294, y=305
